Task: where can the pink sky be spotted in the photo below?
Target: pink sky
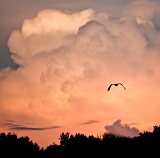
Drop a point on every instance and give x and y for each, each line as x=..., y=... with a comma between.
x=67, y=60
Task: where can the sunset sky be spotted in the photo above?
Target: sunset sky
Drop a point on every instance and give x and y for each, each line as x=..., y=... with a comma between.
x=58, y=57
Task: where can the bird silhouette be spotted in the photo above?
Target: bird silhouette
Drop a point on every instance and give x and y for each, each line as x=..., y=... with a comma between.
x=115, y=84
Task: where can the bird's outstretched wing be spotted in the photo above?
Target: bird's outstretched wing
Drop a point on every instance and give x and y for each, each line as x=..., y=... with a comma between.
x=116, y=84
x=122, y=85
x=109, y=87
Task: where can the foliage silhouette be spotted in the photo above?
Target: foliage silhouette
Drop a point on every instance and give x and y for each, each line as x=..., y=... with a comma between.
x=80, y=145
x=10, y=144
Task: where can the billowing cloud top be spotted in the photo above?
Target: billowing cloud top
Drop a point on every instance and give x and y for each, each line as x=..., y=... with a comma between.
x=47, y=31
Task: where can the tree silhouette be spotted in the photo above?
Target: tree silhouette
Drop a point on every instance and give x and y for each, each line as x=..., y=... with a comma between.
x=10, y=144
x=79, y=145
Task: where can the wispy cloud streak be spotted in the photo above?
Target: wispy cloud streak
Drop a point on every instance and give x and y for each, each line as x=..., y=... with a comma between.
x=90, y=122
x=11, y=125
x=33, y=128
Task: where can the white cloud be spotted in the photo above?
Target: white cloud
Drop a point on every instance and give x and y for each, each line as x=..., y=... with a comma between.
x=45, y=32
x=142, y=9
x=122, y=130
x=67, y=59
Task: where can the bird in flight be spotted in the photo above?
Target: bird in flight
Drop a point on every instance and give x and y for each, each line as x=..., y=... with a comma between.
x=115, y=84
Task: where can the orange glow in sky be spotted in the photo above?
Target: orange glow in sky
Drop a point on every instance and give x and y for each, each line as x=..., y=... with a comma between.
x=66, y=62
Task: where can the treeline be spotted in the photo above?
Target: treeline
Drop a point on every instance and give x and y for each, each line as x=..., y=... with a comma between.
x=81, y=146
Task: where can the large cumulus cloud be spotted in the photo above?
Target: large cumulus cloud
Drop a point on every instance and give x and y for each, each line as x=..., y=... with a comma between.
x=67, y=59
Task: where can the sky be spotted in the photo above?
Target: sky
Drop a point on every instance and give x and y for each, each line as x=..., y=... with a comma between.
x=58, y=57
